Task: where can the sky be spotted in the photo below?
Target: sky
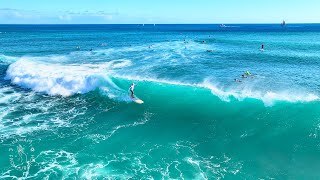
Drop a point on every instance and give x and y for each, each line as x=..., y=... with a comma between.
x=158, y=11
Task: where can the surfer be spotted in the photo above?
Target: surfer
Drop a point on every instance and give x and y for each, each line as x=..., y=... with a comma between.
x=247, y=74
x=131, y=88
x=262, y=47
x=237, y=80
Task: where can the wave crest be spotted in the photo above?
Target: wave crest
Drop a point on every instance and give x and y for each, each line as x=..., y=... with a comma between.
x=268, y=97
x=55, y=79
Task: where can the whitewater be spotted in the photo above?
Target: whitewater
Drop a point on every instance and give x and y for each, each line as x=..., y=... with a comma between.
x=66, y=111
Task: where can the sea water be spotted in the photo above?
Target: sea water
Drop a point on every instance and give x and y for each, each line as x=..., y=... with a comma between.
x=65, y=112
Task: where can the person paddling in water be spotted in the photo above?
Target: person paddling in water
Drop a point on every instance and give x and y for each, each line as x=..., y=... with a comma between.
x=131, y=88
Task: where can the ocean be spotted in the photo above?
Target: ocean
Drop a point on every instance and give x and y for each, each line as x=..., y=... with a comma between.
x=65, y=110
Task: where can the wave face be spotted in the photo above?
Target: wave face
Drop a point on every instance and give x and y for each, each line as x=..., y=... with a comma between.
x=66, y=80
x=65, y=110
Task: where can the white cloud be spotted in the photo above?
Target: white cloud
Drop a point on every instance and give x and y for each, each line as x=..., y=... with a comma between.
x=18, y=16
x=65, y=17
x=11, y=13
x=14, y=16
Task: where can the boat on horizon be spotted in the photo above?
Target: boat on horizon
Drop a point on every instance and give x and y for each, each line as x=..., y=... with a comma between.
x=222, y=26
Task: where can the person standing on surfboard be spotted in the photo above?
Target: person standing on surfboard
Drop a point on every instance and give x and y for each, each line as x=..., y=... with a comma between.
x=131, y=88
x=262, y=48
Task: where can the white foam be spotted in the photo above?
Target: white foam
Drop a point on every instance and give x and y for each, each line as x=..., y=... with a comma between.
x=56, y=161
x=8, y=98
x=56, y=79
x=31, y=120
x=120, y=63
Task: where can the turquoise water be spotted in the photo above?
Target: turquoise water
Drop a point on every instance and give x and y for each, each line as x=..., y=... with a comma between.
x=66, y=113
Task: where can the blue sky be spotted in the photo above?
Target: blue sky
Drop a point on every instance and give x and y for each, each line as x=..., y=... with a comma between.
x=160, y=11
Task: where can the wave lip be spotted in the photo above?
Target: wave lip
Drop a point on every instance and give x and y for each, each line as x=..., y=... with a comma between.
x=267, y=97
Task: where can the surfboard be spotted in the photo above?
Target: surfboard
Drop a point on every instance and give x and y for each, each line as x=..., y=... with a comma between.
x=137, y=100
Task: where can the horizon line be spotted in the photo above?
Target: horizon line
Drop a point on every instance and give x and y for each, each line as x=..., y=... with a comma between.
x=155, y=23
